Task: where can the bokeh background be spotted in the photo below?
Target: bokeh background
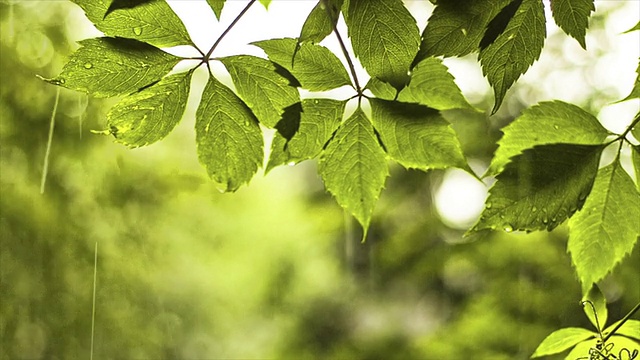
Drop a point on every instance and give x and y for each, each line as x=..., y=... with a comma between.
x=275, y=270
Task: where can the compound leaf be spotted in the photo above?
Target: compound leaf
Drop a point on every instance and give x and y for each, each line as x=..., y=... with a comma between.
x=572, y=16
x=354, y=168
x=385, y=38
x=596, y=297
x=320, y=22
x=228, y=136
x=606, y=229
x=151, y=21
x=149, y=115
x=416, y=136
x=105, y=67
x=547, y=123
x=260, y=84
x=314, y=66
x=296, y=142
x=514, y=49
x=431, y=85
x=561, y=340
x=541, y=187
x=216, y=6
x=456, y=27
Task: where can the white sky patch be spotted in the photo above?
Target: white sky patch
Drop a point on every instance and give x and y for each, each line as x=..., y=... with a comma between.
x=460, y=199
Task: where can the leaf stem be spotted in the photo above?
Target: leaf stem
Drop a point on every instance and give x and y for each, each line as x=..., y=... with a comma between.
x=343, y=47
x=633, y=124
x=52, y=125
x=207, y=56
x=624, y=320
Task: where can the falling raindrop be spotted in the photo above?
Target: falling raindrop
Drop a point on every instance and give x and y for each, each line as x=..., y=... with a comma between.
x=137, y=30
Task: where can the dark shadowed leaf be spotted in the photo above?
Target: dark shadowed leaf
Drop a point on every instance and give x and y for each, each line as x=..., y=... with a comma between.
x=572, y=16
x=151, y=21
x=599, y=317
x=514, y=49
x=106, y=67
x=541, y=188
x=228, y=136
x=385, y=38
x=561, y=340
x=354, y=167
x=261, y=86
x=607, y=227
x=149, y=115
x=416, y=136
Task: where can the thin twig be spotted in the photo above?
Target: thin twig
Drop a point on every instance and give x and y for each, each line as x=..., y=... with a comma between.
x=624, y=320
x=246, y=8
x=52, y=124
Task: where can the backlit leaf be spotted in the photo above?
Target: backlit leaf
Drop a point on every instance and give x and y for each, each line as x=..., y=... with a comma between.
x=582, y=350
x=637, y=27
x=261, y=86
x=416, y=136
x=354, y=168
x=599, y=304
x=635, y=158
x=228, y=136
x=385, y=38
x=151, y=21
x=547, y=123
x=541, y=187
x=607, y=227
x=431, y=85
x=456, y=27
x=320, y=22
x=106, y=67
x=572, y=16
x=514, y=49
x=561, y=340
x=314, y=66
x=265, y=3
x=149, y=115
x=630, y=328
x=216, y=6
x=296, y=142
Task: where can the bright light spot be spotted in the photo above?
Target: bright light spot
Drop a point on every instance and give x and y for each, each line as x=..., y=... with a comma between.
x=460, y=198
x=617, y=117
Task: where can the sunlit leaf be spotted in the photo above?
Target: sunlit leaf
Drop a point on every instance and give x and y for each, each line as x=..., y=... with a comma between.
x=431, y=85
x=265, y=3
x=303, y=138
x=514, y=49
x=216, y=6
x=320, y=22
x=456, y=27
x=149, y=115
x=599, y=302
x=561, y=340
x=228, y=136
x=635, y=158
x=385, y=38
x=354, y=167
x=631, y=328
x=314, y=66
x=547, y=123
x=261, y=86
x=572, y=16
x=607, y=227
x=151, y=21
x=106, y=67
x=541, y=187
x=416, y=136
x=635, y=92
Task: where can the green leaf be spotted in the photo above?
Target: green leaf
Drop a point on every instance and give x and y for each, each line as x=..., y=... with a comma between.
x=261, y=85
x=105, y=67
x=599, y=303
x=635, y=92
x=151, y=21
x=456, y=27
x=314, y=66
x=635, y=130
x=547, y=123
x=606, y=229
x=151, y=114
x=561, y=340
x=631, y=328
x=581, y=351
x=635, y=158
x=416, y=136
x=216, y=6
x=385, y=38
x=228, y=136
x=265, y=3
x=515, y=49
x=320, y=22
x=541, y=187
x=572, y=16
x=301, y=138
x=353, y=167
x=637, y=27
x=431, y=85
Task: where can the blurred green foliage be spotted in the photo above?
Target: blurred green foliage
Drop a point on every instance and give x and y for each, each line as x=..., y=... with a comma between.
x=272, y=271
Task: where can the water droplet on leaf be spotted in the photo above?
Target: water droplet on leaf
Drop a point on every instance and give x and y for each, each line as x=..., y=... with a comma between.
x=137, y=30
x=291, y=163
x=556, y=127
x=464, y=31
x=508, y=228
x=534, y=209
x=489, y=205
x=88, y=65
